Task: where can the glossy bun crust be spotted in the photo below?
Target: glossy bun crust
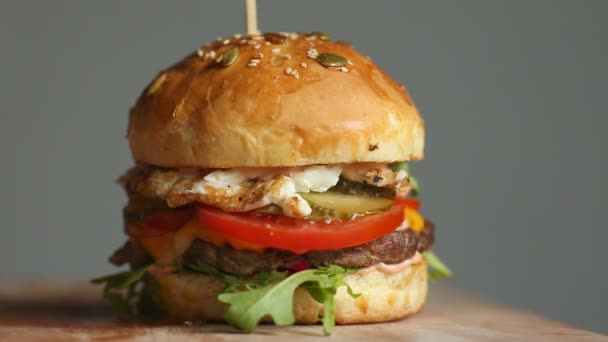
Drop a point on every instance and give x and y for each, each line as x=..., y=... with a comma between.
x=274, y=105
x=384, y=297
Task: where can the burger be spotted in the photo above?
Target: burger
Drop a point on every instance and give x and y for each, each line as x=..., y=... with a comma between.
x=271, y=184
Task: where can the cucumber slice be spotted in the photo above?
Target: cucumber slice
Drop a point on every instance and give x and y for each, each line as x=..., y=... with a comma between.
x=332, y=205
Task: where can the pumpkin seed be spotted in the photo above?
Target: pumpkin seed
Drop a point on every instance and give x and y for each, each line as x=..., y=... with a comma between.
x=229, y=57
x=155, y=85
x=331, y=60
x=321, y=35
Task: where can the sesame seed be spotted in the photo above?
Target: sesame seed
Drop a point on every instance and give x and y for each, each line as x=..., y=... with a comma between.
x=287, y=56
x=312, y=53
x=210, y=54
x=349, y=62
x=200, y=52
x=257, y=37
x=344, y=69
x=258, y=55
x=304, y=65
x=252, y=64
x=219, y=59
x=266, y=43
x=253, y=60
x=276, y=50
x=237, y=36
x=296, y=74
x=257, y=46
x=252, y=42
x=288, y=70
x=293, y=35
x=226, y=42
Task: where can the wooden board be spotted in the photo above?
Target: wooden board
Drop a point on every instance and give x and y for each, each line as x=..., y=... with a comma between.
x=73, y=312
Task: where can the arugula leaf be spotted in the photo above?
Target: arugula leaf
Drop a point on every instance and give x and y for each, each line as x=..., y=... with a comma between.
x=324, y=291
x=400, y=165
x=438, y=268
x=415, y=186
x=276, y=298
x=148, y=302
x=235, y=283
x=122, y=280
x=117, y=301
x=124, y=292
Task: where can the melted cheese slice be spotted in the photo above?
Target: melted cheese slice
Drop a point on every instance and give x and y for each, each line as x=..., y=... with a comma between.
x=169, y=247
x=415, y=220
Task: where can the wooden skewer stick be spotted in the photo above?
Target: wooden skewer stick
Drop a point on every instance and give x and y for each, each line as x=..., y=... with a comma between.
x=252, y=17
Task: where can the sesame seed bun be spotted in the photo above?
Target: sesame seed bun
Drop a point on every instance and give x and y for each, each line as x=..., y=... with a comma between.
x=265, y=101
x=384, y=297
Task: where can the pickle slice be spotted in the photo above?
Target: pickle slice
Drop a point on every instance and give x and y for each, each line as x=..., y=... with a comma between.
x=345, y=186
x=333, y=205
x=271, y=209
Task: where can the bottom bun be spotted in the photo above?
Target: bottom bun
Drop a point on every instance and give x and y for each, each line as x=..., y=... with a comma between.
x=384, y=297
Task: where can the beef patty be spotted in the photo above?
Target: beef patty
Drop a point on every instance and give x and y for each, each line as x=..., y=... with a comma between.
x=392, y=248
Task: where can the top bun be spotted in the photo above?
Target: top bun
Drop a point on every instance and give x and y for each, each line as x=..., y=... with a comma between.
x=272, y=100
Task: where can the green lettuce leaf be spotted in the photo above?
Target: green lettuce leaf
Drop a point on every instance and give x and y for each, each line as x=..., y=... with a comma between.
x=438, y=269
x=246, y=308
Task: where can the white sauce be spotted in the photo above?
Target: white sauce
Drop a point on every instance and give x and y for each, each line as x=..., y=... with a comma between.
x=391, y=269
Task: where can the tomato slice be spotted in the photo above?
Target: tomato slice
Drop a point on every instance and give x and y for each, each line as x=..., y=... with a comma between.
x=160, y=222
x=408, y=202
x=298, y=235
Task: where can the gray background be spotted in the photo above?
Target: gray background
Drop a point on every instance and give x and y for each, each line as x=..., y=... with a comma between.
x=513, y=93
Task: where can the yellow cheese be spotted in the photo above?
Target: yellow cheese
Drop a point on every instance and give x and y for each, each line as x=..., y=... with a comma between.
x=159, y=247
x=167, y=248
x=415, y=220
